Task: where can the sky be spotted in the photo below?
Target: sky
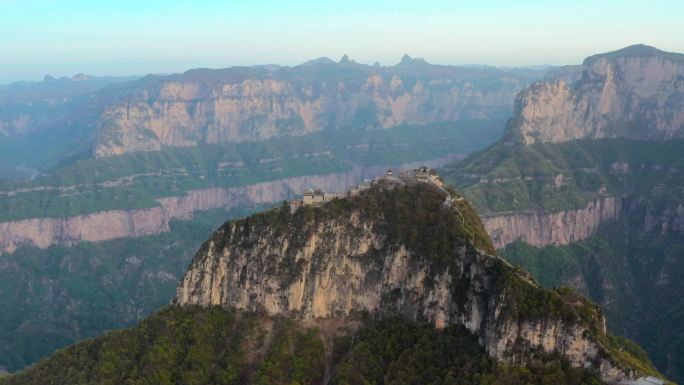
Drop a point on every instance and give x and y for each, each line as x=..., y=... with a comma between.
x=137, y=37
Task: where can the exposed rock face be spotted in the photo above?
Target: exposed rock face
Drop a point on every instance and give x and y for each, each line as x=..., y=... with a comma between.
x=352, y=256
x=542, y=229
x=106, y=225
x=248, y=104
x=635, y=93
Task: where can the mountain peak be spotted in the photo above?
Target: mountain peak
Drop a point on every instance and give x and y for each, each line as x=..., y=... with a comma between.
x=407, y=60
x=403, y=244
x=319, y=61
x=610, y=100
x=636, y=50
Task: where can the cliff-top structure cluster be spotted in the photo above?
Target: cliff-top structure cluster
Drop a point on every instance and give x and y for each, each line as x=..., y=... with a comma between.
x=313, y=197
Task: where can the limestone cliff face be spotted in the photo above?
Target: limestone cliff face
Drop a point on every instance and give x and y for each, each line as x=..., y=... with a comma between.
x=236, y=105
x=542, y=229
x=385, y=253
x=101, y=226
x=106, y=225
x=635, y=93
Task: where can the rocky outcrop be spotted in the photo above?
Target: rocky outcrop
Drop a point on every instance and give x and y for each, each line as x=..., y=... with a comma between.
x=250, y=104
x=106, y=225
x=101, y=226
x=635, y=93
x=359, y=256
x=542, y=229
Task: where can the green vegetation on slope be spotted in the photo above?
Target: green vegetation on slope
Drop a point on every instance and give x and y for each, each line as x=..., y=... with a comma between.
x=135, y=180
x=411, y=214
x=415, y=216
x=632, y=355
x=560, y=176
x=634, y=273
x=398, y=352
x=632, y=265
x=213, y=346
x=54, y=297
x=586, y=265
x=664, y=340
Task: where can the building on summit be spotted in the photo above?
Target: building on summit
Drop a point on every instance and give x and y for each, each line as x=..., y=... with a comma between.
x=317, y=197
x=314, y=198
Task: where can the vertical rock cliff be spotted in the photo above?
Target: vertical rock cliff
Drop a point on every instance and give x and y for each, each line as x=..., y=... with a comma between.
x=251, y=104
x=636, y=93
x=541, y=229
x=569, y=154
x=403, y=247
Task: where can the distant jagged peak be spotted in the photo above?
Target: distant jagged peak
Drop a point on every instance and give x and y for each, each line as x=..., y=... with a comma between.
x=408, y=60
x=76, y=78
x=345, y=61
x=636, y=50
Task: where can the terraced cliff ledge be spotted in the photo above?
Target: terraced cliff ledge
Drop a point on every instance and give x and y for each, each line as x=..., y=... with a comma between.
x=540, y=229
x=111, y=224
x=407, y=247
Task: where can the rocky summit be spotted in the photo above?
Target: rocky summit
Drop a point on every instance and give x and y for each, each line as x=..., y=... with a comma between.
x=404, y=246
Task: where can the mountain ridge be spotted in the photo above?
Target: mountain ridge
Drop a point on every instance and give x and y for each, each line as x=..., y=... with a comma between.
x=439, y=282
x=636, y=50
x=251, y=104
x=310, y=264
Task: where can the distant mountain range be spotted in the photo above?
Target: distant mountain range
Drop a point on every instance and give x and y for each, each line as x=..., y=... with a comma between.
x=103, y=116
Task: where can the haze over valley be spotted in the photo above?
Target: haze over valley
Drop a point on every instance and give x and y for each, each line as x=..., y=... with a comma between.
x=336, y=222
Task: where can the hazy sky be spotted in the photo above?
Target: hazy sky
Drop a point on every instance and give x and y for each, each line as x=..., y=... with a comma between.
x=117, y=37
